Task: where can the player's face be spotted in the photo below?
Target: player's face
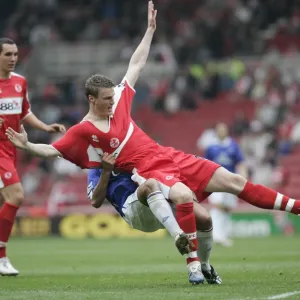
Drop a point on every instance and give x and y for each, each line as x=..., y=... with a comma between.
x=222, y=131
x=105, y=101
x=8, y=57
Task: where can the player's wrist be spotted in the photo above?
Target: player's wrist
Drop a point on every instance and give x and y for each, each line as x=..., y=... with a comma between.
x=107, y=172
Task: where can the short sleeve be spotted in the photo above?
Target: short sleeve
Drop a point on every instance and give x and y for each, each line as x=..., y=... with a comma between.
x=124, y=95
x=26, y=109
x=92, y=181
x=71, y=145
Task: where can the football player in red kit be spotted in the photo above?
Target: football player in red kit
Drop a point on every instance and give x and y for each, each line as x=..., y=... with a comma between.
x=14, y=109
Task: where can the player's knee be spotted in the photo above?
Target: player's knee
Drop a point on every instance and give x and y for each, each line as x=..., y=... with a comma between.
x=13, y=195
x=204, y=223
x=180, y=194
x=150, y=186
x=236, y=183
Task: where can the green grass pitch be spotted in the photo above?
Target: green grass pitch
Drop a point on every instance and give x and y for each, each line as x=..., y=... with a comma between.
x=137, y=269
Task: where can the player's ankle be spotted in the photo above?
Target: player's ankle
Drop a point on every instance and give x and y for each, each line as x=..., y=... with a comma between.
x=205, y=266
x=2, y=252
x=190, y=260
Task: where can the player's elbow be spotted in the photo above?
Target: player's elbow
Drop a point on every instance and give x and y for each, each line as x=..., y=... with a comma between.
x=95, y=203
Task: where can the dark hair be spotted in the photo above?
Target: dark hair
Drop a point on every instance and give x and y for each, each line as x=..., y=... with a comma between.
x=5, y=41
x=95, y=82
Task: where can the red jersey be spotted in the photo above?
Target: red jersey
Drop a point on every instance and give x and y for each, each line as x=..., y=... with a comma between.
x=83, y=144
x=14, y=107
x=135, y=151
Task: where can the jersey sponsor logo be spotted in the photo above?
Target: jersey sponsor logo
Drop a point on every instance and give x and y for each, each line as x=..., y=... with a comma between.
x=164, y=220
x=11, y=106
x=7, y=175
x=95, y=138
x=169, y=177
x=114, y=143
x=18, y=88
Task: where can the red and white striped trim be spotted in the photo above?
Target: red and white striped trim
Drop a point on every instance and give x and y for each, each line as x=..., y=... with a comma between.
x=278, y=201
x=290, y=205
x=127, y=137
x=193, y=254
x=2, y=245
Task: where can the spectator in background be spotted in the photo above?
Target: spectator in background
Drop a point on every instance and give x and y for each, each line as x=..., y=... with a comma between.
x=240, y=124
x=207, y=138
x=227, y=153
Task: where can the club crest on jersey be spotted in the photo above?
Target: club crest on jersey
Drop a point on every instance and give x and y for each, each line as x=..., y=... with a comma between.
x=18, y=88
x=114, y=143
x=169, y=177
x=7, y=175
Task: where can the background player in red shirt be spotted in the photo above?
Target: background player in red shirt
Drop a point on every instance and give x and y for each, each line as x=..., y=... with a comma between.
x=14, y=108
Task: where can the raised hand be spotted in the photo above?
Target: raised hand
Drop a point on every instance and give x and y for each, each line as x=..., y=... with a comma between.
x=18, y=139
x=151, y=16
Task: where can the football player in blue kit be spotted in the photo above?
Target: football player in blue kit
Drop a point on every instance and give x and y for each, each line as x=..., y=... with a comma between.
x=144, y=208
x=226, y=152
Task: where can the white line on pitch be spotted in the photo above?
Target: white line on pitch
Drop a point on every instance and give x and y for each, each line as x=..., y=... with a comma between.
x=283, y=296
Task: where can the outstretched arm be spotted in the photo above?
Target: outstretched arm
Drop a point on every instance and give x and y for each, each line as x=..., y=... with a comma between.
x=20, y=141
x=33, y=121
x=139, y=57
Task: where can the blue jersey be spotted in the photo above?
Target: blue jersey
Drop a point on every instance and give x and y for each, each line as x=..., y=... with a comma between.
x=226, y=153
x=120, y=186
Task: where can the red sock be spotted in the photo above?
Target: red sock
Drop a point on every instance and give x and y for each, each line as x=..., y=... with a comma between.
x=263, y=197
x=186, y=219
x=7, y=218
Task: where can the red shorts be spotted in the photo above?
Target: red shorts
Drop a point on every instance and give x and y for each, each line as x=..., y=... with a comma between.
x=8, y=172
x=170, y=166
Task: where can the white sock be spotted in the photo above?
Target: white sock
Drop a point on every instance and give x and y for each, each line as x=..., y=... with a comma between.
x=205, y=242
x=219, y=223
x=227, y=225
x=163, y=212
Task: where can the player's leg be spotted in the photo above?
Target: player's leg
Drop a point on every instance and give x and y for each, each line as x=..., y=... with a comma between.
x=205, y=243
x=183, y=197
x=255, y=194
x=220, y=213
x=149, y=194
x=13, y=196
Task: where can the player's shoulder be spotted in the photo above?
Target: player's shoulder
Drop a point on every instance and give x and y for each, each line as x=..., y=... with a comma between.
x=17, y=77
x=234, y=142
x=124, y=84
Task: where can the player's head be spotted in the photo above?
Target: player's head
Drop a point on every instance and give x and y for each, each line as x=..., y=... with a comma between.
x=222, y=131
x=8, y=55
x=99, y=91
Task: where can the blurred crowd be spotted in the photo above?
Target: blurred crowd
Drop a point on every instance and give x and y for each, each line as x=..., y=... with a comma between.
x=211, y=43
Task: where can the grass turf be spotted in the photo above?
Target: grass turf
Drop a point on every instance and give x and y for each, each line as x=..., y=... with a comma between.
x=137, y=269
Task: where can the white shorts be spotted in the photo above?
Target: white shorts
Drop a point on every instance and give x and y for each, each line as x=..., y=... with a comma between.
x=139, y=216
x=224, y=199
